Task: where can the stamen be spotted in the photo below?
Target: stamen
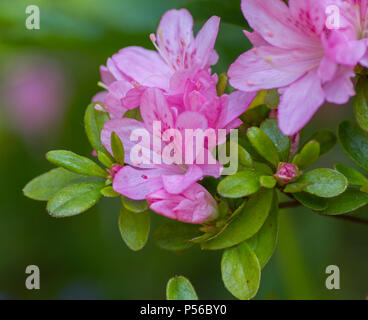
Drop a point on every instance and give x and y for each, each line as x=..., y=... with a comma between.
x=163, y=53
x=102, y=85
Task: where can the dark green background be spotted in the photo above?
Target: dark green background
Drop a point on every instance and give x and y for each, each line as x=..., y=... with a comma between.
x=84, y=256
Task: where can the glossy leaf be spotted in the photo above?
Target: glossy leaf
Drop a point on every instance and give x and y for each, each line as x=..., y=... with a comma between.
x=263, y=243
x=241, y=184
x=241, y=271
x=267, y=181
x=360, y=103
x=310, y=201
x=75, y=199
x=248, y=220
x=264, y=145
x=326, y=139
x=326, y=183
x=109, y=192
x=350, y=200
x=296, y=187
x=134, y=228
x=94, y=121
x=281, y=142
x=117, y=148
x=134, y=205
x=308, y=155
x=180, y=288
x=45, y=186
x=354, y=177
x=354, y=142
x=175, y=235
x=104, y=159
x=221, y=84
x=75, y=163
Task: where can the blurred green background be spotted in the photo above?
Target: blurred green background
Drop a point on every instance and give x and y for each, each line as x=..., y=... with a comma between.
x=47, y=78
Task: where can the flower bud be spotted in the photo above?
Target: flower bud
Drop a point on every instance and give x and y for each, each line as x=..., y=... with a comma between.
x=286, y=172
x=194, y=205
x=114, y=170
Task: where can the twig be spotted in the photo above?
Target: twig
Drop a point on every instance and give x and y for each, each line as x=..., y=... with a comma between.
x=290, y=204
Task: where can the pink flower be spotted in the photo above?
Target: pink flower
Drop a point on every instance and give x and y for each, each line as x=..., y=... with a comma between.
x=293, y=52
x=179, y=57
x=194, y=205
x=287, y=173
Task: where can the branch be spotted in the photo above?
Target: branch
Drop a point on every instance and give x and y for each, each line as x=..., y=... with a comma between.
x=290, y=204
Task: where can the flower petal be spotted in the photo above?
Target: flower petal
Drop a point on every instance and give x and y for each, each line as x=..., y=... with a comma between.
x=341, y=88
x=177, y=183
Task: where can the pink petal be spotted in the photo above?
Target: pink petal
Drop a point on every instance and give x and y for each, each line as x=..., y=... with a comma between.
x=299, y=102
x=117, y=90
x=255, y=39
x=136, y=183
x=191, y=120
x=143, y=66
x=177, y=183
x=341, y=88
x=327, y=69
x=99, y=96
x=106, y=76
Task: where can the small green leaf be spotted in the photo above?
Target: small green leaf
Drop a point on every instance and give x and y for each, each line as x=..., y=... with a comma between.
x=75, y=199
x=94, y=121
x=326, y=139
x=272, y=99
x=350, y=200
x=175, y=235
x=263, y=243
x=262, y=169
x=264, y=145
x=45, y=186
x=308, y=155
x=75, y=163
x=326, y=183
x=247, y=222
x=281, y=142
x=364, y=188
x=104, y=159
x=117, y=148
x=134, y=205
x=109, y=192
x=221, y=84
x=296, y=187
x=310, y=201
x=241, y=184
x=134, y=228
x=227, y=155
x=254, y=116
x=354, y=142
x=245, y=159
x=180, y=288
x=267, y=182
x=354, y=177
x=360, y=103
x=241, y=271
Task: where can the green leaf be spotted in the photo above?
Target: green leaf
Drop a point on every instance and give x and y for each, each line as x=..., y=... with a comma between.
x=326, y=139
x=109, y=192
x=308, y=155
x=45, y=186
x=354, y=142
x=134, y=228
x=350, y=200
x=94, y=121
x=281, y=142
x=267, y=182
x=75, y=163
x=180, y=288
x=241, y=271
x=176, y=236
x=75, y=199
x=360, y=103
x=117, y=148
x=245, y=159
x=248, y=220
x=242, y=157
x=310, y=201
x=254, y=116
x=221, y=84
x=354, y=177
x=263, y=243
x=104, y=159
x=364, y=188
x=326, y=183
x=241, y=184
x=296, y=187
x=272, y=99
x=264, y=145
x=134, y=205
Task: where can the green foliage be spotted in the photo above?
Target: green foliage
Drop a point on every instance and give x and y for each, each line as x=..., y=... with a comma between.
x=134, y=205
x=221, y=84
x=109, y=192
x=75, y=163
x=241, y=271
x=354, y=177
x=117, y=148
x=360, y=102
x=308, y=155
x=45, y=186
x=75, y=199
x=134, y=228
x=180, y=288
x=326, y=139
x=268, y=182
x=104, y=159
x=310, y=201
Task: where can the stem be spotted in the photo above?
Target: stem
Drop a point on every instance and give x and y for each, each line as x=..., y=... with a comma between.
x=293, y=204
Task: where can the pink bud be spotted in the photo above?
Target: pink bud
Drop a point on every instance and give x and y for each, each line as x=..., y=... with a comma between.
x=114, y=170
x=287, y=172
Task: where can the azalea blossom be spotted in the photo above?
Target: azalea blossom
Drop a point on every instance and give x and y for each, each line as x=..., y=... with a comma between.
x=179, y=57
x=295, y=52
x=194, y=205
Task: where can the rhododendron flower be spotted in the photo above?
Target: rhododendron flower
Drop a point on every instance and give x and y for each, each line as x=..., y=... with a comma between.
x=140, y=179
x=294, y=52
x=179, y=57
x=194, y=205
